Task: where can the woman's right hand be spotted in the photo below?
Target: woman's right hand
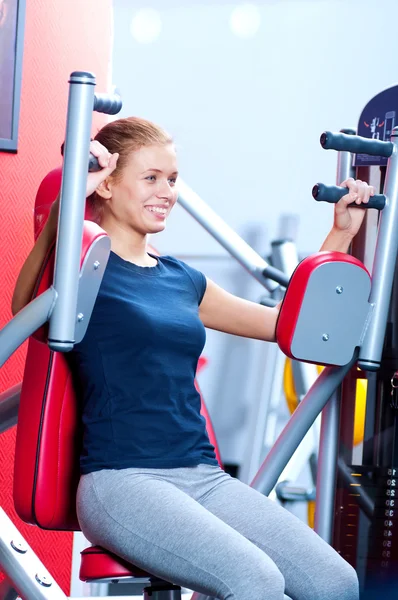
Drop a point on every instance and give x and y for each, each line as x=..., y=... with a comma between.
x=29, y=273
x=108, y=163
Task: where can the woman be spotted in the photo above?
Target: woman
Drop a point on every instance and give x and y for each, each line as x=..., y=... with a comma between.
x=151, y=489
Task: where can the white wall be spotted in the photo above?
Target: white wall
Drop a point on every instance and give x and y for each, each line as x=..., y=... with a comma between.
x=246, y=114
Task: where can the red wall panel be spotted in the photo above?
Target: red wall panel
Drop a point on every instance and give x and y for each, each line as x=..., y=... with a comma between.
x=60, y=37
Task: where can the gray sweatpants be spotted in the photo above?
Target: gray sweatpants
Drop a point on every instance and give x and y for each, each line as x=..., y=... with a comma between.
x=204, y=530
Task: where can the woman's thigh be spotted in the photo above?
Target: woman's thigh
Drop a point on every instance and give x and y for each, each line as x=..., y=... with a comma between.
x=311, y=568
x=153, y=524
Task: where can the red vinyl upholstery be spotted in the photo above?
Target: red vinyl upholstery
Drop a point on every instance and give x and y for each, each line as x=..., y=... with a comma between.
x=46, y=194
x=97, y=563
x=46, y=472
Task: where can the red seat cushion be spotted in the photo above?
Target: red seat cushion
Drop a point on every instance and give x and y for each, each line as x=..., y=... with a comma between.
x=98, y=563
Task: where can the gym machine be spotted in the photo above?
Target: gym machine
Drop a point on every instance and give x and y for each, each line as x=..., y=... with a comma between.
x=365, y=493
x=332, y=314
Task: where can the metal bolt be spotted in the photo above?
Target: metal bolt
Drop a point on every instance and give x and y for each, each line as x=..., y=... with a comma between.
x=339, y=289
x=80, y=317
x=325, y=337
x=96, y=265
x=19, y=547
x=43, y=580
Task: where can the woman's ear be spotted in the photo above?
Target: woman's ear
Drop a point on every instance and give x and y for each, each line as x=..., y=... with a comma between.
x=104, y=189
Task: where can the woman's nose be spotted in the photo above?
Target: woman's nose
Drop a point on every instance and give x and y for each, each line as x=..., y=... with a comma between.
x=166, y=190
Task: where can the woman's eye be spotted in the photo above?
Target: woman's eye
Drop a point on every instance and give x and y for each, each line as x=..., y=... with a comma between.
x=151, y=178
x=173, y=180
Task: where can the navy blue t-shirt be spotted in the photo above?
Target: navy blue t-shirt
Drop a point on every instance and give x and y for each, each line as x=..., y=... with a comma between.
x=136, y=367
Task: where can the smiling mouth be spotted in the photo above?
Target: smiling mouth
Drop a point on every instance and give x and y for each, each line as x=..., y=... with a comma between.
x=157, y=209
x=159, y=212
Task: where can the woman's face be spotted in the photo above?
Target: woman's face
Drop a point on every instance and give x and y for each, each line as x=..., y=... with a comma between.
x=144, y=196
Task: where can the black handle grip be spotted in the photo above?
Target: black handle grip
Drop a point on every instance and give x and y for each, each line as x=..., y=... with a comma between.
x=333, y=193
x=93, y=164
x=110, y=104
x=355, y=144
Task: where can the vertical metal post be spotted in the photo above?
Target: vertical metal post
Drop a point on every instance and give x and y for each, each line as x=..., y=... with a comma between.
x=304, y=374
x=284, y=256
x=327, y=468
x=263, y=419
x=70, y=225
x=328, y=441
x=383, y=267
x=345, y=167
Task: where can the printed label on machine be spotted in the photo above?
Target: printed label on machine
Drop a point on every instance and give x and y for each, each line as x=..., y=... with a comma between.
x=377, y=121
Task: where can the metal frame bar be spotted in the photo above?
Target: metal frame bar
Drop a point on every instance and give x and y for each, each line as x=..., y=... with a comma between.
x=262, y=428
x=261, y=421
x=226, y=236
x=9, y=403
x=72, y=201
x=284, y=258
x=329, y=436
x=25, y=323
x=383, y=266
x=297, y=426
x=327, y=468
x=21, y=565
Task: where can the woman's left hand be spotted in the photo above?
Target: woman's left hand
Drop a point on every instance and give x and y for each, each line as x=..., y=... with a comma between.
x=348, y=219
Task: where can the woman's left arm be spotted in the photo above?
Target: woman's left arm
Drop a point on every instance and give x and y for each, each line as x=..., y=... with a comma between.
x=225, y=312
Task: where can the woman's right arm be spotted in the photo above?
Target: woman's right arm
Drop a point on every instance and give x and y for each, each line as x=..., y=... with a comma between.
x=29, y=273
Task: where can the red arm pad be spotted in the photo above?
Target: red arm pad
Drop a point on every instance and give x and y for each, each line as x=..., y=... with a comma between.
x=322, y=274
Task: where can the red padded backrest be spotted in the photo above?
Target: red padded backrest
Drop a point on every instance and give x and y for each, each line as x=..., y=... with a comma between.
x=46, y=471
x=46, y=194
x=48, y=440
